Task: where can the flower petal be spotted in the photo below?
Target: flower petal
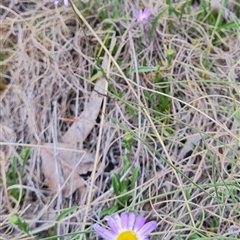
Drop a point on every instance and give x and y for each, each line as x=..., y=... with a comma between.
x=117, y=219
x=124, y=220
x=142, y=15
x=66, y=3
x=103, y=232
x=56, y=2
x=139, y=223
x=143, y=238
x=131, y=221
x=112, y=224
x=137, y=14
x=147, y=228
x=146, y=13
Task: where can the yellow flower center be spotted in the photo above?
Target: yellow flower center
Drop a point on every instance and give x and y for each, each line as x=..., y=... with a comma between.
x=127, y=235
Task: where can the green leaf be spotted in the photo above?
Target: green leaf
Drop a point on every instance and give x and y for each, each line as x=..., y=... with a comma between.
x=64, y=214
x=229, y=25
x=25, y=154
x=116, y=184
x=22, y=225
x=126, y=164
x=134, y=177
x=120, y=94
x=194, y=236
x=123, y=186
x=155, y=22
x=109, y=211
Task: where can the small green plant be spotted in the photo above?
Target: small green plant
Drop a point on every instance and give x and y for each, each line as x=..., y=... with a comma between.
x=16, y=171
x=160, y=102
x=170, y=54
x=123, y=183
x=21, y=224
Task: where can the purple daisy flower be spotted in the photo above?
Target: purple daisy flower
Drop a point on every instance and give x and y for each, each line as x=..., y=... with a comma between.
x=142, y=15
x=65, y=3
x=125, y=226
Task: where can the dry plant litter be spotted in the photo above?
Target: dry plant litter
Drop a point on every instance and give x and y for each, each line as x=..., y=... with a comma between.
x=76, y=81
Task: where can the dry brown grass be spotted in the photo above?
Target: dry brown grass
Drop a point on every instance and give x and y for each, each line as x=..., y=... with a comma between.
x=45, y=51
